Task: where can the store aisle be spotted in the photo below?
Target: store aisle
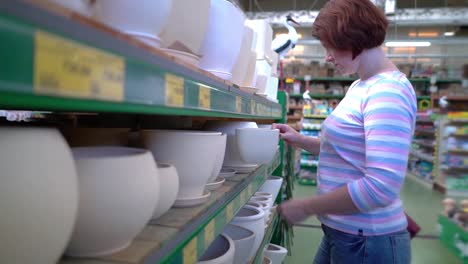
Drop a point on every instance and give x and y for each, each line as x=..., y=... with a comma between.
x=421, y=203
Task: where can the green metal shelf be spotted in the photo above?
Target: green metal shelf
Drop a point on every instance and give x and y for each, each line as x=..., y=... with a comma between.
x=345, y=79
x=50, y=63
x=267, y=238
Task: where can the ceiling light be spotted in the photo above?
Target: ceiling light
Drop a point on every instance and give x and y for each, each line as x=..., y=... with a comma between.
x=407, y=44
x=449, y=33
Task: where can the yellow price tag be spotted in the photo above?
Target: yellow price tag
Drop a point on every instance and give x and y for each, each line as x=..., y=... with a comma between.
x=251, y=189
x=209, y=233
x=67, y=68
x=252, y=107
x=174, y=90
x=229, y=211
x=244, y=197
x=204, y=97
x=190, y=252
x=238, y=104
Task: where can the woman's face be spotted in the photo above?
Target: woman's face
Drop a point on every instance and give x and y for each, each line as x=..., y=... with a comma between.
x=342, y=59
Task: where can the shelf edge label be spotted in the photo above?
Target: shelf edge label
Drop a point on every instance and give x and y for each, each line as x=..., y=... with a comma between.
x=174, y=87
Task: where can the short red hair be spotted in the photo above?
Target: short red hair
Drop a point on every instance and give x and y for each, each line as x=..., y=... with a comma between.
x=352, y=25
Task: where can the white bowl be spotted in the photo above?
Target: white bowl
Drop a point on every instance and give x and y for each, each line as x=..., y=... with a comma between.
x=232, y=156
x=142, y=16
x=223, y=39
x=187, y=24
x=216, y=184
x=251, y=218
x=38, y=195
x=243, y=240
x=276, y=253
x=119, y=190
x=221, y=251
x=169, y=187
x=257, y=145
x=193, y=153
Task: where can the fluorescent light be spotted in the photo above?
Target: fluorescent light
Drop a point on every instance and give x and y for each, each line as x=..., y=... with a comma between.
x=407, y=43
x=449, y=33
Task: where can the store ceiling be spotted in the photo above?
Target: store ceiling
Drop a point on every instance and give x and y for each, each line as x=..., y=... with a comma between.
x=281, y=5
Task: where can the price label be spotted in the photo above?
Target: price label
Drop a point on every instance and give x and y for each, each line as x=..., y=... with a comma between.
x=209, y=233
x=244, y=197
x=190, y=252
x=252, y=107
x=204, y=97
x=174, y=90
x=229, y=211
x=238, y=104
x=67, y=68
x=251, y=189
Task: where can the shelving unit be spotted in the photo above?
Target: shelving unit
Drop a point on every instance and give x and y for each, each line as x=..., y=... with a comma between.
x=129, y=78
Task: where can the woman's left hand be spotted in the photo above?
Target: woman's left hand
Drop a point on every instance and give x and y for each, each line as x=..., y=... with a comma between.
x=294, y=210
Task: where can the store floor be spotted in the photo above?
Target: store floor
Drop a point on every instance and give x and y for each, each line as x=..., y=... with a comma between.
x=421, y=203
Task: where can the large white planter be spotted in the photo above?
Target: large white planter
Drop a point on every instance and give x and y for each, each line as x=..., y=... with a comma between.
x=193, y=153
x=250, y=79
x=264, y=206
x=243, y=240
x=169, y=187
x=221, y=150
x=275, y=253
x=272, y=185
x=232, y=157
x=272, y=88
x=187, y=24
x=240, y=68
x=257, y=145
x=222, y=42
x=251, y=218
x=221, y=251
x=264, y=37
x=143, y=19
x=38, y=195
x=119, y=189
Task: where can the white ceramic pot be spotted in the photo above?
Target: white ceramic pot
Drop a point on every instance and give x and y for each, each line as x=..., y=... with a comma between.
x=266, y=195
x=223, y=39
x=193, y=153
x=38, y=195
x=257, y=145
x=83, y=137
x=272, y=88
x=266, y=260
x=119, y=190
x=274, y=64
x=221, y=148
x=264, y=36
x=251, y=218
x=272, y=185
x=139, y=18
x=221, y=251
x=264, y=206
x=84, y=7
x=243, y=240
x=232, y=156
x=250, y=79
x=240, y=68
x=275, y=253
x=169, y=187
x=262, y=199
x=263, y=67
x=187, y=24
x=261, y=84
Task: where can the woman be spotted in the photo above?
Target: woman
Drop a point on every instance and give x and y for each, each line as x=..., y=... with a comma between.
x=364, y=146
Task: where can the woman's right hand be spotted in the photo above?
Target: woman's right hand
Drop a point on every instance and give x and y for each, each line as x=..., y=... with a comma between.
x=290, y=135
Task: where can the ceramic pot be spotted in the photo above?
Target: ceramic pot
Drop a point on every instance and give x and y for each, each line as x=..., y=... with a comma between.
x=221, y=251
x=264, y=206
x=139, y=18
x=119, y=190
x=187, y=25
x=257, y=145
x=250, y=79
x=223, y=39
x=264, y=36
x=266, y=260
x=261, y=84
x=272, y=88
x=169, y=187
x=275, y=253
x=251, y=218
x=272, y=185
x=262, y=199
x=240, y=68
x=232, y=156
x=38, y=195
x=193, y=153
x=221, y=149
x=266, y=195
x=243, y=240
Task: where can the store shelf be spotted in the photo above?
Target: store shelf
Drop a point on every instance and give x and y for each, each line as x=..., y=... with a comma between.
x=457, y=151
x=182, y=234
x=422, y=156
x=51, y=62
x=447, y=168
x=430, y=132
x=267, y=238
x=424, y=144
x=422, y=180
x=346, y=79
x=316, y=116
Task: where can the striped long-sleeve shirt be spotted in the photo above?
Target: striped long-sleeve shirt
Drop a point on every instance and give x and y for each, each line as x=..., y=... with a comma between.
x=365, y=144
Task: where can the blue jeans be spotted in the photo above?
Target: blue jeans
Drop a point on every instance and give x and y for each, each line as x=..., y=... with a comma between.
x=339, y=247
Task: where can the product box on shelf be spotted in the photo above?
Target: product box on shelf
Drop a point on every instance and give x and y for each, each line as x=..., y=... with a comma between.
x=454, y=238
